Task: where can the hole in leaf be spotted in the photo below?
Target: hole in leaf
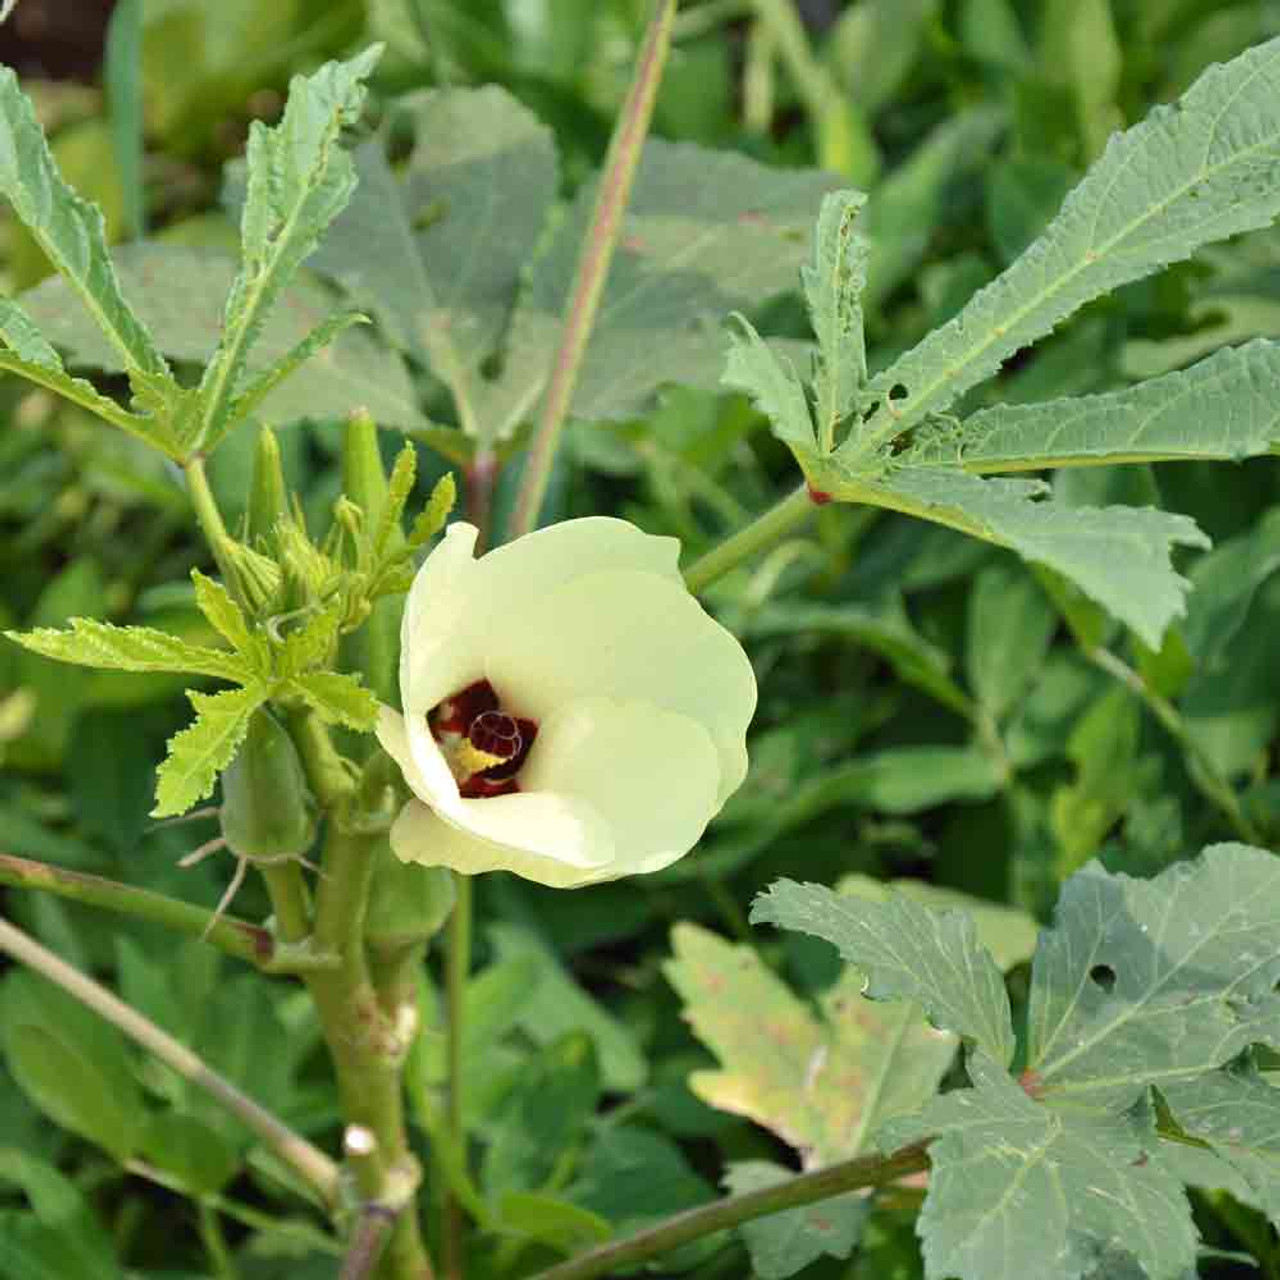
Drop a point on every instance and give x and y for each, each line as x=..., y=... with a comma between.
x=898, y=391
x=1103, y=975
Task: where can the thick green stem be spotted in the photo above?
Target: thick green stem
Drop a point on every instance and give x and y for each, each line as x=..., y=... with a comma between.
x=367, y=1041
x=308, y=1160
x=237, y=938
x=762, y=532
x=593, y=264
x=693, y=1224
x=458, y=970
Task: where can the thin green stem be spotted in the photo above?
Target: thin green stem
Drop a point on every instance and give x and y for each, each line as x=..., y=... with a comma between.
x=209, y=517
x=458, y=970
x=693, y=1224
x=238, y=938
x=308, y=1160
x=221, y=1264
x=288, y=900
x=593, y=264
x=762, y=532
x=1210, y=782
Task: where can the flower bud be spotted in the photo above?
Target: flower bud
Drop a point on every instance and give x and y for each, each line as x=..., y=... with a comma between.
x=267, y=494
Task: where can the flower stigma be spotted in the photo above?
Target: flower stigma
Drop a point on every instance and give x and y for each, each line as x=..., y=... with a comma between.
x=483, y=745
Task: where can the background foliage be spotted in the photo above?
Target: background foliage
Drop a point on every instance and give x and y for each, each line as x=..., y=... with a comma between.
x=931, y=707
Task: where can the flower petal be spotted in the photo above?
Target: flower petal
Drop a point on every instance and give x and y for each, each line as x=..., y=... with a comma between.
x=408, y=741
x=653, y=775
x=572, y=843
x=527, y=570
x=439, y=650
x=631, y=635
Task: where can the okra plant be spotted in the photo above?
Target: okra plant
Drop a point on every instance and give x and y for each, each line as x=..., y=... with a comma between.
x=401, y=705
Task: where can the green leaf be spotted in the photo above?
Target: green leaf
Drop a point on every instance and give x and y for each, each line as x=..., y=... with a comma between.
x=194, y=1152
x=552, y=1221
x=556, y=1005
x=633, y=1176
x=438, y=257
x=75, y=1067
x=1011, y=624
x=31, y=357
x=1225, y=583
x=299, y=354
x=70, y=231
x=904, y=211
x=1238, y=1114
x=224, y=614
x=542, y=1118
x=312, y=644
x=770, y=379
x=1224, y=407
x=399, y=486
x=100, y=644
x=833, y=283
x=432, y=517
x=59, y=1238
x=860, y=1063
x=783, y=1243
x=300, y=179
x=180, y=292
x=338, y=698
x=200, y=752
x=1152, y=981
x=908, y=953
x=1020, y=1189
x=706, y=233
x=1119, y=556
x=1190, y=173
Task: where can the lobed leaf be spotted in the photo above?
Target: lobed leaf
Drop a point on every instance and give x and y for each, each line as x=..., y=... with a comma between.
x=833, y=283
x=223, y=614
x=1145, y=982
x=438, y=257
x=783, y=1243
x=338, y=698
x=180, y=291
x=432, y=517
x=1224, y=407
x=907, y=952
x=70, y=230
x=300, y=179
x=1193, y=172
x=860, y=1063
x=199, y=753
x=774, y=387
x=1118, y=556
x=100, y=644
x=1238, y=1115
x=1019, y=1189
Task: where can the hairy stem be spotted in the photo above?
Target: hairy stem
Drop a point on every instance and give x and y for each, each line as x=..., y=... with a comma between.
x=308, y=1160
x=693, y=1224
x=237, y=938
x=458, y=969
x=593, y=264
x=762, y=532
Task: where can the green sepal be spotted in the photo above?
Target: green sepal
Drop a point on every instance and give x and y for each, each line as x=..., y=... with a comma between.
x=407, y=903
x=267, y=808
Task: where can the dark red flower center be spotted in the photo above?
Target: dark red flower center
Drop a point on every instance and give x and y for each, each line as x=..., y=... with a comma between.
x=473, y=717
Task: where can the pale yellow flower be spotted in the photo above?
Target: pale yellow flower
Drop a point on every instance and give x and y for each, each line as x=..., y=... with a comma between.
x=571, y=713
